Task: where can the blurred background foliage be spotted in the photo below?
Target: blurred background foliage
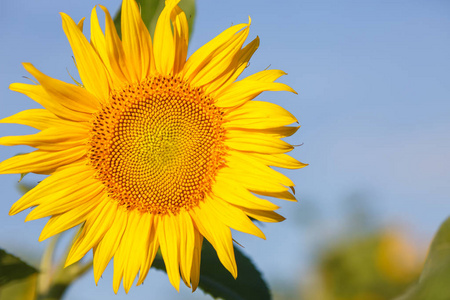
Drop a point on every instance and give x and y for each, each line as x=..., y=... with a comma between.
x=364, y=261
x=377, y=266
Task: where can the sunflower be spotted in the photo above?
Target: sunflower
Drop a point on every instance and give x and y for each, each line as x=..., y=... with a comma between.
x=153, y=151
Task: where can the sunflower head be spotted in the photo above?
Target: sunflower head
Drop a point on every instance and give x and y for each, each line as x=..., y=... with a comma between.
x=155, y=151
x=158, y=145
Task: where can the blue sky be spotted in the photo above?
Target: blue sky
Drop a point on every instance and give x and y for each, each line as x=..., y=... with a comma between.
x=373, y=103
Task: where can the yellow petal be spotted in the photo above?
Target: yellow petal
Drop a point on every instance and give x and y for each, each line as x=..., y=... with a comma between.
x=236, y=194
x=52, y=184
x=90, y=67
x=97, y=37
x=81, y=24
x=195, y=270
x=236, y=67
x=279, y=160
x=252, y=183
x=180, y=37
x=55, y=138
x=245, y=90
x=95, y=227
x=187, y=244
x=202, y=56
x=140, y=249
x=256, y=142
x=221, y=60
x=65, y=200
x=246, y=165
x=264, y=215
x=164, y=44
x=40, y=161
x=63, y=222
x=124, y=265
x=269, y=133
x=71, y=96
x=152, y=246
x=277, y=132
x=106, y=249
x=259, y=115
x=266, y=76
x=38, y=118
x=99, y=43
x=169, y=237
x=218, y=234
x=285, y=195
x=134, y=253
x=38, y=94
x=231, y=216
x=136, y=41
x=114, y=49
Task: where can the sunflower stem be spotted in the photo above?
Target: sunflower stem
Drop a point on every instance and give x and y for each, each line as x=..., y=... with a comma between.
x=62, y=279
x=54, y=278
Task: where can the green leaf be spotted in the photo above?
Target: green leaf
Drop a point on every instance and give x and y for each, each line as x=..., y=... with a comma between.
x=218, y=282
x=12, y=268
x=151, y=9
x=434, y=280
x=22, y=175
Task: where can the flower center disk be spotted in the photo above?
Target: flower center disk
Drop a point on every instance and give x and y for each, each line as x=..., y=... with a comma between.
x=158, y=145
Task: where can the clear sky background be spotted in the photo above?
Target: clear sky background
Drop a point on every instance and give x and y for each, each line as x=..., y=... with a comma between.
x=374, y=105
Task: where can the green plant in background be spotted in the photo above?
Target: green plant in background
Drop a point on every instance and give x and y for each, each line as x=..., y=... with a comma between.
x=434, y=280
x=150, y=11
x=13, y=268
x=377, y=266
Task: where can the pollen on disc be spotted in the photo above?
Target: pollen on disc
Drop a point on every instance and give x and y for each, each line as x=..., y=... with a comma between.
x=158, y=145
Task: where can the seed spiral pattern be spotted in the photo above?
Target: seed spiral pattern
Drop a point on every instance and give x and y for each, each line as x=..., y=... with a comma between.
x=158, y=145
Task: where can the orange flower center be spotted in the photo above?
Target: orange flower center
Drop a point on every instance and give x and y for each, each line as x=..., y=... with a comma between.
x=158, y=145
